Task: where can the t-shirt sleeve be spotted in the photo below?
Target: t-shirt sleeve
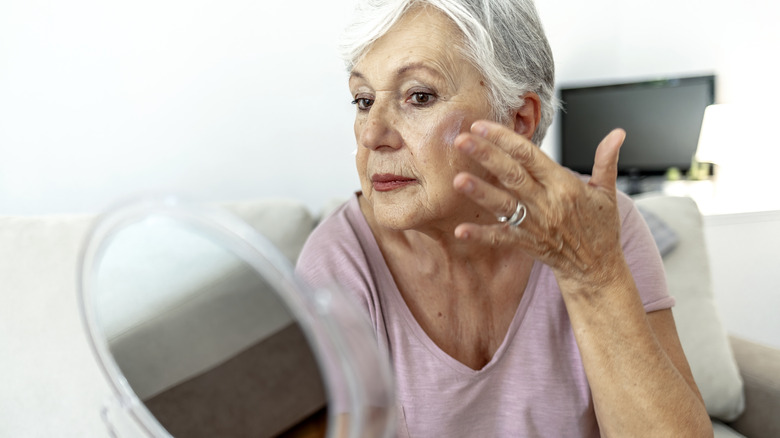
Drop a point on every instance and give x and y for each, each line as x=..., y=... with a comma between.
x=334, y=258
x=328, y=260
x=643, y=258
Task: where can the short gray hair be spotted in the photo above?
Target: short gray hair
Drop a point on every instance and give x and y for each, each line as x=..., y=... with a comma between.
x=503, y=39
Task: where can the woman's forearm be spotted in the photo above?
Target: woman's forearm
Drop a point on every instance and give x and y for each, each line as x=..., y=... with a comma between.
x=640, y=381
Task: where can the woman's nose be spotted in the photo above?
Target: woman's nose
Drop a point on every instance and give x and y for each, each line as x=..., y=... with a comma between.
x=380, y=128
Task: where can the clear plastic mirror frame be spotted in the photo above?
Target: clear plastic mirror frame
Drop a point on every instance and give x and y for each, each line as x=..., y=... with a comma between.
x=356, y=374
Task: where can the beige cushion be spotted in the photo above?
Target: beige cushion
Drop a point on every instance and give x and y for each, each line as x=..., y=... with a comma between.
x=720, y=430
x=702, y=334
x=284, y=222
x=51, y=382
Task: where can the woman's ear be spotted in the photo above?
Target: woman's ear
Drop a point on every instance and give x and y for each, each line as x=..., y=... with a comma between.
x=526, y=118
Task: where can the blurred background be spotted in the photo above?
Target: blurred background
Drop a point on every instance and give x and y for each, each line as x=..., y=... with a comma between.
x=245, y=99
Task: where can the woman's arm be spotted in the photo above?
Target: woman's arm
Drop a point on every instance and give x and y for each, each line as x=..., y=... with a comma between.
x=639, y=378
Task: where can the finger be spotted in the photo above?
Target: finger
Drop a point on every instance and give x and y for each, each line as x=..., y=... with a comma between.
x=485, y=194
x=495, y=160
x=499, y=235
x=493, y=235
x=605, y=163
x=536, y=162
x=561, y=251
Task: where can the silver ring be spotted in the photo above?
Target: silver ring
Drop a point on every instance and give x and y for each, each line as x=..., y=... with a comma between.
x=517, y=217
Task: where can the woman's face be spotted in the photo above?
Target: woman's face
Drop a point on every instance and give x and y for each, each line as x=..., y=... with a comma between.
x=414, y=93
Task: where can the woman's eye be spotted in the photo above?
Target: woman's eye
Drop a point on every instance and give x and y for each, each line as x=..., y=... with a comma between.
x=363, y=103
x=421, y=98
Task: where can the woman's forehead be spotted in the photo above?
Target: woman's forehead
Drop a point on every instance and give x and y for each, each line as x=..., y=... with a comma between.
x=425, y=42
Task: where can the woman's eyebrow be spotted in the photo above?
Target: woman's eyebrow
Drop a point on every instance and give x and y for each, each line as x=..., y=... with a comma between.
x=354, y=74
x=404, y=69
x=416, y=66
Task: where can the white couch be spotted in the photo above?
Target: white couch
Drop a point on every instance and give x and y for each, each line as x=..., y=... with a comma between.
x=739, y=380
x=52, y=386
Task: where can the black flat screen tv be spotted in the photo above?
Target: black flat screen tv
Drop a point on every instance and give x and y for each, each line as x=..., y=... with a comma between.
x=662, y=119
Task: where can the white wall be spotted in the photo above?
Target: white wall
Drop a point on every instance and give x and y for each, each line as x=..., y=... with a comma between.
x=745, y=276
x=230, y=100
x=216, y=100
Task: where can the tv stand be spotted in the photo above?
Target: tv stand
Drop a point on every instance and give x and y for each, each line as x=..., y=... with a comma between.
x=636, y=184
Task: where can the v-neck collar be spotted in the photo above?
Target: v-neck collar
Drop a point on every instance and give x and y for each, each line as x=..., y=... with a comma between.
x=416, y=329
x=389, y=286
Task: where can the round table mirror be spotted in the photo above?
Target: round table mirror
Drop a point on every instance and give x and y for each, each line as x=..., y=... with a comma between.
x=202, y=329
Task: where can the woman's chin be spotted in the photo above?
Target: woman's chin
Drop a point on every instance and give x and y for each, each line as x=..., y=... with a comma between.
x=396, y=216
x=402, y=215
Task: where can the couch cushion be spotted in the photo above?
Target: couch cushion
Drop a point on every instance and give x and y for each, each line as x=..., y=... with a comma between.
x=759, y=366
x=52, y=385
x=665, y=237
x=285, y=222
x=720, y=430
x=701, y=332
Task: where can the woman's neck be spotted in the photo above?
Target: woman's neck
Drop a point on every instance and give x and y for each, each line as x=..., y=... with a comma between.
x=435, y=249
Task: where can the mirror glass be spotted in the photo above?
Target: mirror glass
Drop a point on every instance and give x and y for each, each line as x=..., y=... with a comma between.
x=203, y=330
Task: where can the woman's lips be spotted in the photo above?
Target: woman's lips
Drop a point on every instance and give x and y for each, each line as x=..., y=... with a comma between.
x=385, y=182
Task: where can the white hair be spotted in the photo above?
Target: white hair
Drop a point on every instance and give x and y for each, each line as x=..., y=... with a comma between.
x=503, y=39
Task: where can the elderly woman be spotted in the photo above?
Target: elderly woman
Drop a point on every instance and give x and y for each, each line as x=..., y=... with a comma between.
x=514, y=297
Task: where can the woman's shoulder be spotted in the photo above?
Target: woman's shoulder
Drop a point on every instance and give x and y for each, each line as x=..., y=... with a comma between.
x=337, y=226
x=625, y=205
x=340, y=245
x=341, y=253
x=340, y=222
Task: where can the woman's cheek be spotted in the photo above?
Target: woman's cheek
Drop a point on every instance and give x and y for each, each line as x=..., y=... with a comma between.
x=439, y=131
x=453, y=127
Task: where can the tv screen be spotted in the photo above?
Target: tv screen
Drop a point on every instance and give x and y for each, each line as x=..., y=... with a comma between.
x=662, y=119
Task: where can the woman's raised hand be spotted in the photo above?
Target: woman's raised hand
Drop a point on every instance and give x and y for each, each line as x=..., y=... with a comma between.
x=571, y=225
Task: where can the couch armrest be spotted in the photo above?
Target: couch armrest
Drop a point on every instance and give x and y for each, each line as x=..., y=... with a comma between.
x=759, y=366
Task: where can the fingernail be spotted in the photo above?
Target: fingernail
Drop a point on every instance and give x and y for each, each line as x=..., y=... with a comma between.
x=479, y=128
x=468, y=187
x=467, y=146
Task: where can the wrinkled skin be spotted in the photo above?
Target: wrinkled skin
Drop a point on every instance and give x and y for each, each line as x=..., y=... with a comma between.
x=435, y=174
x=571, y=226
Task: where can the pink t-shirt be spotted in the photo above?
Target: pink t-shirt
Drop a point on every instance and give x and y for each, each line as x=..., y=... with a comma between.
x=535, y=384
